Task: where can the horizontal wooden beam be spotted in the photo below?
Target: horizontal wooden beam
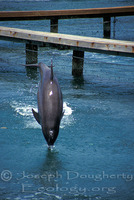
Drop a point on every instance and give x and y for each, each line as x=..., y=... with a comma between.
x=71, y=41
x=63, y=14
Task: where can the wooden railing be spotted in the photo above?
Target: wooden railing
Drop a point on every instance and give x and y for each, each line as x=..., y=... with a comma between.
x=77, y=43
x=55, y=15
x=64, y=14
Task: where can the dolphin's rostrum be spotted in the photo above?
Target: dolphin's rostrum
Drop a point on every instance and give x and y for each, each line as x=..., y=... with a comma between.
x=50, y=104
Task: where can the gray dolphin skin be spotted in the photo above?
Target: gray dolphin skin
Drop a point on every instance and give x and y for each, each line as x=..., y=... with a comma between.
x=50, y=104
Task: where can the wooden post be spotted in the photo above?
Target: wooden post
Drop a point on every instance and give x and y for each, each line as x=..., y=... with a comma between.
x=31, y=54
x=114, y=23
x=106, y=27
x=54, y=25
x=31, y=58
x=77, y=63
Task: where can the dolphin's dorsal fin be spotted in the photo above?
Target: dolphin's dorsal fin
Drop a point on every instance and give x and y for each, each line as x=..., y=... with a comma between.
x=36, y=115
x=51, y=70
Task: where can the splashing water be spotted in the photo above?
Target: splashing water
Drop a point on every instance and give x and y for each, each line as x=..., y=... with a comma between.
x=25, y=110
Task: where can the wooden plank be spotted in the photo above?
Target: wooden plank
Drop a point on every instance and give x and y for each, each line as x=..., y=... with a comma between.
x=80, y=42
x=61, y=14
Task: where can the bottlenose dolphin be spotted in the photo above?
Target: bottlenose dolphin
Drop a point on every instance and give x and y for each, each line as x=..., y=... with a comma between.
x=50, y=104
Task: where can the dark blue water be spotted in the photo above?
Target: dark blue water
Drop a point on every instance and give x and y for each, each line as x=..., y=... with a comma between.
x=93, y=158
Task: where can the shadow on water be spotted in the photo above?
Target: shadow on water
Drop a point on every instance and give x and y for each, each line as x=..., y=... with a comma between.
x=31, y=72
x=78, y=82
x=48, y=172
x=51, y=162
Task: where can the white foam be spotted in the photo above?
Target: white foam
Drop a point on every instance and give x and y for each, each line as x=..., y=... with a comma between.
x=25, y=110
x=22, y=109
x=67, y=119
x=67, y=110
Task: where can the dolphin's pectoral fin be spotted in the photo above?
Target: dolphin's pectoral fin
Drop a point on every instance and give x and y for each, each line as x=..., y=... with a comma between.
x=62, y=114
x=36, y=115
